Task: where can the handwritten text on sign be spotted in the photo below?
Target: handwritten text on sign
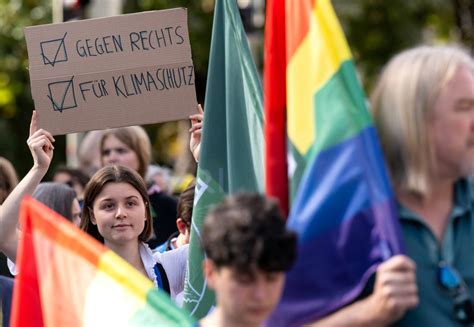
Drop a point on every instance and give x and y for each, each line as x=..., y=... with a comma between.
x=112, y=72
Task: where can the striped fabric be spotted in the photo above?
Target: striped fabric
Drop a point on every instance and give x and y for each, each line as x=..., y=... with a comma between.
x=343, y=209
x=318, y=56
x=67, y=278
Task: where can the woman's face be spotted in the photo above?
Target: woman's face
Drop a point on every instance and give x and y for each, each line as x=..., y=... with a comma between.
x=76, y=213
x=119, y=213
x=116, y=152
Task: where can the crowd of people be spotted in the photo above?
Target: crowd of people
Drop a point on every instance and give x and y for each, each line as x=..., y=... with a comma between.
x=423, y=109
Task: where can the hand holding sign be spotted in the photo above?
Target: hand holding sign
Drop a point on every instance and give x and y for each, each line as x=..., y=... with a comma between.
x=196, y=133
x=41, y=146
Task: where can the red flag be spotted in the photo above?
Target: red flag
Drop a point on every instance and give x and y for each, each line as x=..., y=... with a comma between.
x=276, y=179
x=26, y=292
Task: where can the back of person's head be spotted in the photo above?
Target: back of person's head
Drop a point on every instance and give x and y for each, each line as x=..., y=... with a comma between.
x=185, y=205
x=57, y=196
x=8, y=178
x=402, y=105
x=75, y=175
x=113, y=174
x=74, y=178
x=247, y=233
x=136, y=138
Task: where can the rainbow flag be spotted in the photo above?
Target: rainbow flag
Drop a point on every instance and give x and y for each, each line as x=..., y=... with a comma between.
x=344, y=209
x=67, y=278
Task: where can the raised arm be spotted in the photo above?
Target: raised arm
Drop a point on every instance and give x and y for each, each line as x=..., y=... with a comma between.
x=40, y=143
x=395, y=292
x=195, y=130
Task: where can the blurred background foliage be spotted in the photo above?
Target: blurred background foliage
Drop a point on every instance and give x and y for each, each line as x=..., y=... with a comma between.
x=15, y=95
x=376, y=29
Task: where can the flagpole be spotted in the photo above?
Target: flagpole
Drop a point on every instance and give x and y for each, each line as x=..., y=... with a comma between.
x=57, y=11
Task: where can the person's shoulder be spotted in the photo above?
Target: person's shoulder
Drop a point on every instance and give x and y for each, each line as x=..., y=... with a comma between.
x=209, y=320
x=161, y=248
x=181, y=251
x=465, y=188
x=470, y=182
x=148, y=258
x=178, y=254
x=466, y=181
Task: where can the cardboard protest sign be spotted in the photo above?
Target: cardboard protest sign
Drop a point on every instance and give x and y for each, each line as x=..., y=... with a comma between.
x=111, y=72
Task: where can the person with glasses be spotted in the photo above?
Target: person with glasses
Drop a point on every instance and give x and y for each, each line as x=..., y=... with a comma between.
x=423, y=109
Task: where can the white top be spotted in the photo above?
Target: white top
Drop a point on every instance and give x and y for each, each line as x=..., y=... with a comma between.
x=173, y=262
x=12, y=267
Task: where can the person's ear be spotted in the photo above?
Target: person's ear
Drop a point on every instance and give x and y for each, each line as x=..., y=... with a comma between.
x=92, y=218
x=181, y=225
x=208, y=269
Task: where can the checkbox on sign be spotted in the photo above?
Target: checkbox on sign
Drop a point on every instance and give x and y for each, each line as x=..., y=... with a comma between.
x=62, y=95
x=54, y=51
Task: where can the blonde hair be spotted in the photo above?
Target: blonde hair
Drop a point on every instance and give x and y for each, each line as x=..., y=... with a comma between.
x=136, y=138
x=402, y=103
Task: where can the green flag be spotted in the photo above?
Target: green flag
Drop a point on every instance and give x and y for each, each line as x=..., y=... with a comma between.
x=231, y=158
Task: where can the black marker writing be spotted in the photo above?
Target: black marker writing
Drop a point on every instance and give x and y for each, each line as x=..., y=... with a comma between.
x=99, y=46
x=98, y=88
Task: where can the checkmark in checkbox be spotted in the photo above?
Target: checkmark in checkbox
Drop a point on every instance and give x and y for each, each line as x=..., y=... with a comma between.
x=62, y=95
x=54, y=51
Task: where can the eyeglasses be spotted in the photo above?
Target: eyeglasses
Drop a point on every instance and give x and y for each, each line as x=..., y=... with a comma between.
x=451, y=281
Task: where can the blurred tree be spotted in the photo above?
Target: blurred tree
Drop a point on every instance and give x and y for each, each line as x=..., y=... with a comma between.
x=377, y=29
x=464, y=14
x=16, y=103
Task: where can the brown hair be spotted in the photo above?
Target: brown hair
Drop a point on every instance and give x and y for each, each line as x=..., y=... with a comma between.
x=136, y=138
x=8, y=178
x=113, y=174
x=247, y=232
x=185, y=205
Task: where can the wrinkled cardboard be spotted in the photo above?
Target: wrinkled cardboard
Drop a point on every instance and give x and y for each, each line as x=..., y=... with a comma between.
x=112, y=72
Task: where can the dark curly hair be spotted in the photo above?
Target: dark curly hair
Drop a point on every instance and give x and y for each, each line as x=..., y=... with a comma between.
x=247, y=233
